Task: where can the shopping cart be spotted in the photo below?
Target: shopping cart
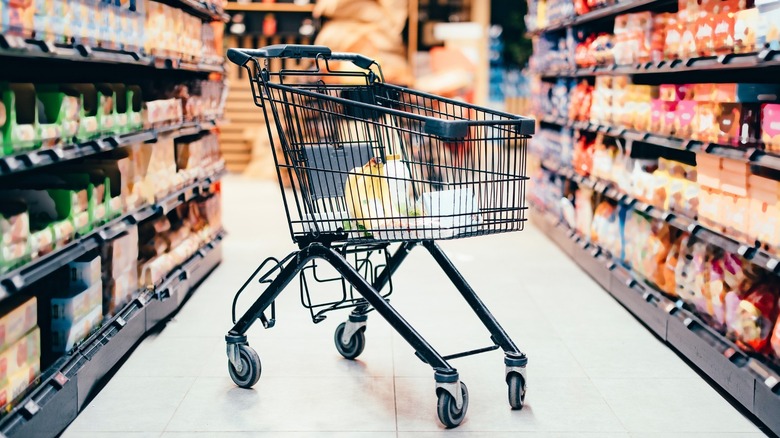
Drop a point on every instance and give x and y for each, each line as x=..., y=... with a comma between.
x=369, y=164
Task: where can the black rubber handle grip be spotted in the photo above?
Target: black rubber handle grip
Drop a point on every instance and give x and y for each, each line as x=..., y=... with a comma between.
x=297, y=51
x=361, y=61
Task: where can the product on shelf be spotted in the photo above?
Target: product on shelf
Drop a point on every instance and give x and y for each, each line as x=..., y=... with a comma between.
x=755, y=317
x=73, y=307
x=169, y=241
x=14, y=234
x=119, y=261
x=768, y=29
x=199, y=158
x=764, y=210
x=18, y=321
x=67, y=334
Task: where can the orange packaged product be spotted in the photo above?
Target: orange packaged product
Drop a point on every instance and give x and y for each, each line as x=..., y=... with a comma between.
x=658, y=36
x=723, y=33
x=704, y=25
x=673, y=39
x=703, y=92
x=704, y=123
x=687, y=47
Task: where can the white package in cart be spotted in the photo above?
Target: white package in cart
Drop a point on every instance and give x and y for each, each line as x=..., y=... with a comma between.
x=457, y=211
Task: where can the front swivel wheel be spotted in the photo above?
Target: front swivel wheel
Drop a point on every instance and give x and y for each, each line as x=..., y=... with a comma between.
x=249, y=369
x=516, y=384
x=354, y=347
x=447, y=409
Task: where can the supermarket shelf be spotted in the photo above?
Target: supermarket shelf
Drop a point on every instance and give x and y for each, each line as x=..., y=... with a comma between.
x=74, y=379
x=38, y=158
x=15, y=281
x=760, y=162
x=607, y=11
x=199, y=9
x=268, y=7
x=752, y=252
x=17, y=47
x=743, y=61
x=749, y=381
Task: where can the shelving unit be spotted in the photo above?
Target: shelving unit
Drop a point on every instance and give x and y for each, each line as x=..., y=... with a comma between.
x=603, y=12
x=752, y=252
x=38, y=158
x=67, y=382
x=268, y=7
x=752, y=383
x=761, y=163
x=17, y=47
x=767, y=59
x=752, y=380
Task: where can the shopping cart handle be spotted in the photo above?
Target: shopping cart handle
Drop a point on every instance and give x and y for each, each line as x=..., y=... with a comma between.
x=361, y=61
x=297, y=51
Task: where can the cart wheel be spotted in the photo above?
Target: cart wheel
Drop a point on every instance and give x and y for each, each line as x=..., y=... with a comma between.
x=516, y=385
x=250, y=367
x=449, y=415
x=354, y=347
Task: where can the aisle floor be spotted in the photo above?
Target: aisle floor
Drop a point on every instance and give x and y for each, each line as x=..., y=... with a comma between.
x=593, y=369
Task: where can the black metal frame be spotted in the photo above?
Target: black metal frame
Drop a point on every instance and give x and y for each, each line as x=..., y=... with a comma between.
x=297, y=261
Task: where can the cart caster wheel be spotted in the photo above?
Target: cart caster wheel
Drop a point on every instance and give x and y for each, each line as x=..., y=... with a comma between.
x=356, y=343
x=516, y=385
x=250, y=367
x=449, y=414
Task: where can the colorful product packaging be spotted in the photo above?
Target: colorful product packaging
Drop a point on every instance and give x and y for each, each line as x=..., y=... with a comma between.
x=17, y=322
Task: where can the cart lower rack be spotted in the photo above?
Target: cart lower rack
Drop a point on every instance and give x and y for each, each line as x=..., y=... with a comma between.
x=371, y=165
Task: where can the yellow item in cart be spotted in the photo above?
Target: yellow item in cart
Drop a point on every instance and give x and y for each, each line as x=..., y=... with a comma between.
x=367, y=195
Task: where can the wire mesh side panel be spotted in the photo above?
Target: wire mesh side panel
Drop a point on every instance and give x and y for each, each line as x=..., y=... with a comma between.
x=368, y=174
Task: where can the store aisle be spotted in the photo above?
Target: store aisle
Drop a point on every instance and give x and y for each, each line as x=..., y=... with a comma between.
x=593, y=369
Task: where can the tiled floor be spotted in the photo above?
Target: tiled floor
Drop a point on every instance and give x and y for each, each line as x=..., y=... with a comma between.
x=594, y=371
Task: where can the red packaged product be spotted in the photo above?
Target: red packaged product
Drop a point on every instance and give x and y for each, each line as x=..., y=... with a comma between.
x=755, y=317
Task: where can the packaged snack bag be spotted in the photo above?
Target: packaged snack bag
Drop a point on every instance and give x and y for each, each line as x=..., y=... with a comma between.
x=756, y=314
x=669, y=283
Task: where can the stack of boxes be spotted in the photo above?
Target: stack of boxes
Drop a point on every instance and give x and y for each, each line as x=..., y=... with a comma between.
x=764, y=212
x=120, y=271
x=77, y=309
x=724, y=194
x=20, y=350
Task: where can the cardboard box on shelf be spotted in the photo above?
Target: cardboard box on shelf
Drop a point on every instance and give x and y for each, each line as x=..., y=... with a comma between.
x=119, y=291
x=66, y=334
x=16, y=356
x=708, y=170
x=18, y=383
x=83, y=272
x=764, y=205
x=17, y=322
x=70, y=307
